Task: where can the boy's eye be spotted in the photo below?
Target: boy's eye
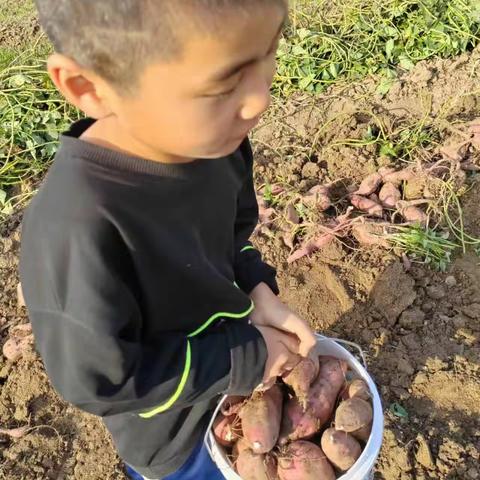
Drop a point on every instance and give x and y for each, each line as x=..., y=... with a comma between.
x=221, y=94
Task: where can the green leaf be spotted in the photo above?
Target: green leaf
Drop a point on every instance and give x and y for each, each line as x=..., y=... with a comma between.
x=385, y=85
x=303, y=33
x=3, y=197
x=298, y=50
x=398, y=410
x=388, y=150
x=406, y=63
x=389, y=46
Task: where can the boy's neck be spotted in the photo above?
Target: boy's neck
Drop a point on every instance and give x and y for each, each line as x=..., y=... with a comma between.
x=107, y=133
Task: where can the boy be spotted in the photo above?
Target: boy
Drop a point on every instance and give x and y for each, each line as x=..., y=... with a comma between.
x=146, y=298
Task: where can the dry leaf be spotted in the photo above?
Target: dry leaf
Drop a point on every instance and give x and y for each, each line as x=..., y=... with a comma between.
x=291, y=214
x=456, y=152
x=289, y=239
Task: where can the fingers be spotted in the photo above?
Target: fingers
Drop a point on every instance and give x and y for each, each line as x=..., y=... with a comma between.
x=291, y=343
x=301, y=329
x=307, y=338
x=291, y=363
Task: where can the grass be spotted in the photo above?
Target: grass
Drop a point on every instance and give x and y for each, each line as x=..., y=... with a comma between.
x=32, y=116
x=327, y=41
x=349, y=39
x=425, y=245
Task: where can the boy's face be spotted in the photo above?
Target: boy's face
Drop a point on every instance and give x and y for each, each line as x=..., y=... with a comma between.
x=204, y=103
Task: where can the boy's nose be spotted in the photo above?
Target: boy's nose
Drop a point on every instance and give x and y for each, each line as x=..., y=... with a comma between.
x=257, y=99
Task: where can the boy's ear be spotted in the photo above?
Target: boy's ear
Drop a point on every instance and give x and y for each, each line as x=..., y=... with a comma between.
x=80, y=87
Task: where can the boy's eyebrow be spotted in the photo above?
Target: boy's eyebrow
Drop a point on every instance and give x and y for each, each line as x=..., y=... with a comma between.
x=231, y=71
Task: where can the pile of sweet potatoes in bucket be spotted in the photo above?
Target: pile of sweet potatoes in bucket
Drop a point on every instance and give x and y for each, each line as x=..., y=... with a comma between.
x=312, y=425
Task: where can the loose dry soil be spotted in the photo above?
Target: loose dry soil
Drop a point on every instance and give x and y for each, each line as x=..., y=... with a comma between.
x=419, y=329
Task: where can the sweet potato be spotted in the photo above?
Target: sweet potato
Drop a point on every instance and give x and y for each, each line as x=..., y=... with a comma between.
x=325, y=389
x=226, y=430
x=297, y=422
x=363, y=433
x=359, y=388
x=390, y=195
x=301, y=377
x=414, y=215
x=252, y=466
x=369, y=185
x=353, y=414
x=232, y=405
x=304, y=461
x=341, y=448
x=370, y=234
x=366, y=205
x=318, y=197
x=397, y=177
x=239, y=447
x=261, y=418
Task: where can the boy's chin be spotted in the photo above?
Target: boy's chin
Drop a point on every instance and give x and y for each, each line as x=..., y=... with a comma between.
x=224, y=150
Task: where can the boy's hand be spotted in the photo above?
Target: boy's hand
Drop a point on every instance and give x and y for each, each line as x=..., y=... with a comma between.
x=282, y=354
x=271, y=312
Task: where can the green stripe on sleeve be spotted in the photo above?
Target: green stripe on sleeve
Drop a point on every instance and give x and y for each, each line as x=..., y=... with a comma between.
x=247, y=248
x=188, y=360
x=222, y=315
x=178, y=392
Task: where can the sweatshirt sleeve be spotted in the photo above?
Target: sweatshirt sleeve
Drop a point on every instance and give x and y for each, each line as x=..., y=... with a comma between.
x=86, y=314
x=250, y=270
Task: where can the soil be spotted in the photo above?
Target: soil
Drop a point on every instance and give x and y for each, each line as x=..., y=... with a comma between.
x=20, y=26
x=418, y=328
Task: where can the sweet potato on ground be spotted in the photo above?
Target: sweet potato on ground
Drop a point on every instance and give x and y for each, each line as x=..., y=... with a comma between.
x=252, y=466
x=353, y=414
x=341, y=448
x=370, y=234
x=414, y=215
x=369, y=185
x=366, y=205
x=261, y=418
x=226, y=430
x=301, y=377
x=318, y=197
x=304, y=461
x=390, y=195
x=396, y=177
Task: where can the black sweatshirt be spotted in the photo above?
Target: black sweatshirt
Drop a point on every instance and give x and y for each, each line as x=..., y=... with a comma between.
x=136, y=275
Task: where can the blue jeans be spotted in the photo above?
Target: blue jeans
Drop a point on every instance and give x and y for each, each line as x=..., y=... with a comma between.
x=198, y=467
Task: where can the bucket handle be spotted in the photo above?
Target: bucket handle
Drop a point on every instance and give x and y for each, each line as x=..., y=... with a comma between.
x=350, y=344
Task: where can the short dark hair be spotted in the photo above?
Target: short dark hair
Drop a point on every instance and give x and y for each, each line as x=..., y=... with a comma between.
x=117, y=39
